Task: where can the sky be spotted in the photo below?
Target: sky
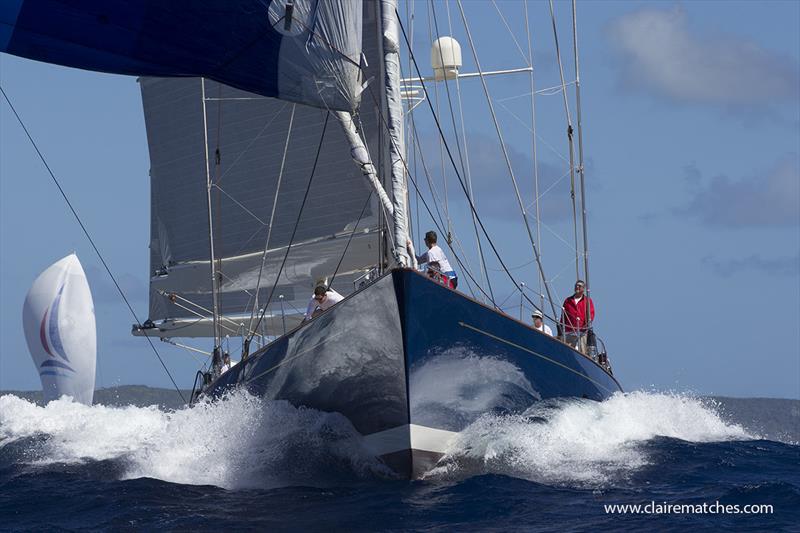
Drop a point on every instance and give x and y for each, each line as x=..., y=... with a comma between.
x=691, y=130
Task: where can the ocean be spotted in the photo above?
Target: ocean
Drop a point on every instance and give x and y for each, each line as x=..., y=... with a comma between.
x=245, y=464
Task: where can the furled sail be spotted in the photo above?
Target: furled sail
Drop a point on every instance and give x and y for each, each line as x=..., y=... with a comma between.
x=262, y=152
x=305, y=51
x=58, y=318
x=391, y=59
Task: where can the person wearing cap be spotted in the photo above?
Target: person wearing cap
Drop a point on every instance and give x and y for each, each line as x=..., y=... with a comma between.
x=538, y=323
x=573, y=317
x=323, y=299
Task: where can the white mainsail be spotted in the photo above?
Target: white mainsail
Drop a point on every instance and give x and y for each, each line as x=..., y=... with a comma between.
x=58, y=318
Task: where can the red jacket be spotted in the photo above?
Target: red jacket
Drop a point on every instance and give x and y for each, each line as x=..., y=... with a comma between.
x=574, y=315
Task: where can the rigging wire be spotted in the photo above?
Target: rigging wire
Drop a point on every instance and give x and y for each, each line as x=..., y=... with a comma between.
x=362, y=135
x=547, y=91
x=272, y=216
x=191, y=350
x=294, y=230
x=411, y=16
x=254, y=139
x=462, y=263
x=533, y=141
x=569, y=139
x=89, y=237
x=581, y=172
x=350, y=238
x=502, y=144
x=214, y=278
x=464, y=158
x=431, y=187
x=448, y=235
x=455, y=254
x=174, y=297
x=217, y=179
x=528, y=59
x=525, y=125
x=458, y=175
x=239, y=204
x=484, y=272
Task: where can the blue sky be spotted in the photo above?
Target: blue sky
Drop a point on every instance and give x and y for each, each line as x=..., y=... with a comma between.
x=692, y=139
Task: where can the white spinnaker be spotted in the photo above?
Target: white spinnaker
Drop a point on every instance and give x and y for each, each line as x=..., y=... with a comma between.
x=58, y=318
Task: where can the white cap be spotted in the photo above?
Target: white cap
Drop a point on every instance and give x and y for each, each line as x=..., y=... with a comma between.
x=537, y=314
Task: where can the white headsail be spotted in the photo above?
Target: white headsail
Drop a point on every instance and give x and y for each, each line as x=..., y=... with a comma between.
x=59, y=323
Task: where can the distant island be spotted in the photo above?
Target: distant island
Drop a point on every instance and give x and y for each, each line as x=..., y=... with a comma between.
x=138, y=395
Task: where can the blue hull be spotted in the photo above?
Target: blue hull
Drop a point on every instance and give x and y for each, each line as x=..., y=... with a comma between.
x=410, y=363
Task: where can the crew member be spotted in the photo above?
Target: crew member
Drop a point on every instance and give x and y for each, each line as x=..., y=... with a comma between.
x=226, y=363
x=435, y=273
x=573, y=317
x=323, y=299
x=436, y=254
x=538, y=323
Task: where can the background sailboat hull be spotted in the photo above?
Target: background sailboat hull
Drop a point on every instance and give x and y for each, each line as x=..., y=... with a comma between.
x=410, y=363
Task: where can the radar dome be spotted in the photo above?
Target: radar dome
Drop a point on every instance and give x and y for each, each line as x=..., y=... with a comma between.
x=445, y=58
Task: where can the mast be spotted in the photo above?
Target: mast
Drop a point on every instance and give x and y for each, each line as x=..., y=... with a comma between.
x=581, y=172
x=214, y=281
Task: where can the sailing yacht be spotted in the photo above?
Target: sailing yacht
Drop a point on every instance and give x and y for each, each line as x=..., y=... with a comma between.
x=59, y=324
x=278, y=163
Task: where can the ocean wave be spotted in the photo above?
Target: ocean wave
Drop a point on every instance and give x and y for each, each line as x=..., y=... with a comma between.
x=582, y=441
x=239, y=441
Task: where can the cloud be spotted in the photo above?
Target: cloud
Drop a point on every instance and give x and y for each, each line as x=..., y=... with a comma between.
x=770, y=198
x=492, y=188
x=781, y=266
x=662, y=54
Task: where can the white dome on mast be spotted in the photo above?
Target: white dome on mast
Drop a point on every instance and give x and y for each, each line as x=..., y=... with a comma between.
x=445, y=58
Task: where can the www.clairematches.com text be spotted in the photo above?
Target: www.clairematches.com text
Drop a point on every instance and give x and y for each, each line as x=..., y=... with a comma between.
x=654, y=507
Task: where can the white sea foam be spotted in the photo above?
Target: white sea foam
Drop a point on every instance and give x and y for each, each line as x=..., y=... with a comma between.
x=238, y=442
x=582, y=441
x=242, y=441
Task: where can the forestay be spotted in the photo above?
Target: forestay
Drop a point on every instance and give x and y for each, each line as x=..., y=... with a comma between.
x=247, y=135
x=307, y=53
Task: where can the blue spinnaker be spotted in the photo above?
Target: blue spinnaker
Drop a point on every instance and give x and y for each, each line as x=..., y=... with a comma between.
x=305, y=51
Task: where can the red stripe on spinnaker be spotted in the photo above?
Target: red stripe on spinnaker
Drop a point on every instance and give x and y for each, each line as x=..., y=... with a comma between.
x=43, y=335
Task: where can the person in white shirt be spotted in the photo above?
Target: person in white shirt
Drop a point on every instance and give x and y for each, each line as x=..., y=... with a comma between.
x=538, y=323
x=226, y=363
x=436, y=255
x=322, y=300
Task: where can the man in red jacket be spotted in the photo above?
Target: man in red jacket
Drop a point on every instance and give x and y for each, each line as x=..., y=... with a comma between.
x=573, y=317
